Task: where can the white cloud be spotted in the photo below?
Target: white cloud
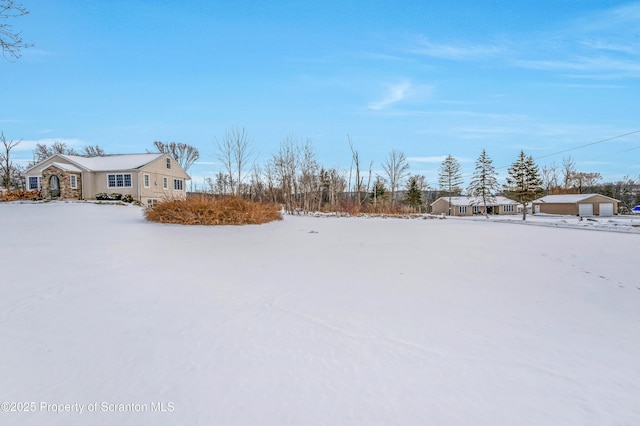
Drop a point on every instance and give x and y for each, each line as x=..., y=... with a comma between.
x=602, y=45
x=460, y=51
x=600, y=64
x=609, y=46
x=395, y=94
x=401, y=92
x=620, y=18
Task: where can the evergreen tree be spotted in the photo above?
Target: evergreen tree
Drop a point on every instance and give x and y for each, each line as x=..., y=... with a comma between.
x=450, y=178
x=484, y=183
x=379, y=190
x=413, y=196
x=524, y=181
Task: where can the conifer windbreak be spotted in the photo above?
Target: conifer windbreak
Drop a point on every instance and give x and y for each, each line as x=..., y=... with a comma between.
x=484, y=184
x=523, y=181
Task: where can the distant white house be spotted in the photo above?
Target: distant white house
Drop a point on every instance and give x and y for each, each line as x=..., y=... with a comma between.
x=468, y=206
x=146, y=177
x=576, y=205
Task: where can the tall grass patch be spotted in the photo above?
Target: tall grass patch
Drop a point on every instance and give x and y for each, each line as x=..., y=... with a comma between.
x=205, y=210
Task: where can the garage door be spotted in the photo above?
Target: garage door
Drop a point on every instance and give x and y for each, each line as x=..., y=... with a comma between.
x=585, y=209
x=606, y=209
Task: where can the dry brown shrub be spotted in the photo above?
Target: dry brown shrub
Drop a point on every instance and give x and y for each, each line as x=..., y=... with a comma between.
x=351, y=207
x=213, y=211
x=19, y=194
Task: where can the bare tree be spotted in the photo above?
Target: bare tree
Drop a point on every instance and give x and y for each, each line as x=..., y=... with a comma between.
x=396, y=168
x=219, y=185
x=42, y=151
x=355, y=161
x=270, y=182
x=370, y=175
x=591, y=180
x=309, y=178
x=6, y=165
x=585, y=180
x=18, y=179
x=333, y=183
x=235, y=153
x=285, y=166
x=257, y=185
x=184, y=154
x=93, y=151
x=10, y=39
x=568, y=170
x=550, y=175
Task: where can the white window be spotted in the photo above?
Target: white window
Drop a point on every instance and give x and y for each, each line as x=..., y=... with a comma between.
x=165, y=182
x=462, y=209
x=476, y=209
x=151, y=202
x=34, y=182
x=508, y=208
x=177, y=184
x=119, y=180
x=168, y=163
x=147, y=180
x=73, y=181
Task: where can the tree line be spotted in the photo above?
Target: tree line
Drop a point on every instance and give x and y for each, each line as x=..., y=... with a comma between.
x=294, y=177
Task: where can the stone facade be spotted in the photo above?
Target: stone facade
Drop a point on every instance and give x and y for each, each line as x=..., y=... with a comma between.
x=64, y=183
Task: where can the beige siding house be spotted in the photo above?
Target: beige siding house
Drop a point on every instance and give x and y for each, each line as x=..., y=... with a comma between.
x=146, y=177
x=468, y=206
x=576, y=205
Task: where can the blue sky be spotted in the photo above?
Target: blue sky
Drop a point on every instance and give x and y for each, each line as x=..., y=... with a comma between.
x=424, y=77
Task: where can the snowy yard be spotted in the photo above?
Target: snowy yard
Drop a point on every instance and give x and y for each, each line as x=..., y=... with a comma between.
x=314, y=321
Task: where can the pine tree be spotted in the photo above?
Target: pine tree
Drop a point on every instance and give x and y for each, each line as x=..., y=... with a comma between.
x=524, y=181
x=450, y=178
x=413, y=196
x=379, y=191
x=484, y=183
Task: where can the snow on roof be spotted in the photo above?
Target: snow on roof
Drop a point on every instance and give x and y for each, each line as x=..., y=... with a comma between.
x=567, y=198
x=471, y=201
x=67, y=167
x=113, y=162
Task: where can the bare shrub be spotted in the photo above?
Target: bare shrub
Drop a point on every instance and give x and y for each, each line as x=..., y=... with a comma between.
x=205, y=210
x=20, y=194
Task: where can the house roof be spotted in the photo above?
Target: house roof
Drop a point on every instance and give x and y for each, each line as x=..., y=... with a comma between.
x=568, y=198
x=66, y=167
x=476, y=201
x=102, y=164
x=113, y=162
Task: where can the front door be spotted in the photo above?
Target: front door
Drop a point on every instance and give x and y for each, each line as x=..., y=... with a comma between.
x=54, y=186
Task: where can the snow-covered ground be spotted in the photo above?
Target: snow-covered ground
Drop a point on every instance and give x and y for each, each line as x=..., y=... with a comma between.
x=621, y=223
x=314, y=321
